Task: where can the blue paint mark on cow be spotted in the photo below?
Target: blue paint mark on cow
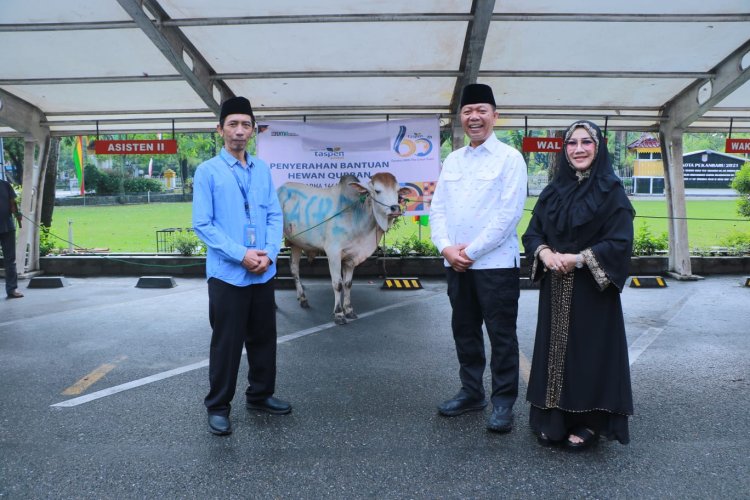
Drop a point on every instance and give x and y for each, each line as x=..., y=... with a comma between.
x=293, y=213
x=296, y=197
x=340, y=231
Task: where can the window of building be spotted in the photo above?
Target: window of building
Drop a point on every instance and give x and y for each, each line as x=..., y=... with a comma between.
x=649, y=156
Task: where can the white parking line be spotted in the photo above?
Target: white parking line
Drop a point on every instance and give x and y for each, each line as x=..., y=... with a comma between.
x=130, y=385
x=640, y=344
x=202, y=364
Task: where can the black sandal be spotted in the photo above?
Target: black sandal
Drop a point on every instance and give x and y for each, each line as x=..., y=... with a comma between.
x=545, y=440
x=589, y=438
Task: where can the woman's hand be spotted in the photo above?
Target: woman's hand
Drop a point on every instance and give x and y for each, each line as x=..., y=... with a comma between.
x=560, y=263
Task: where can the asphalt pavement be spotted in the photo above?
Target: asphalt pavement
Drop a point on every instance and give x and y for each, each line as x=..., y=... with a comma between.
x=103, y=383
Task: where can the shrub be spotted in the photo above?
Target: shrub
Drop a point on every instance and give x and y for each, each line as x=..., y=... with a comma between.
x=645, y=243
x=187, y=243
x=743, y=206
x=741, y=184
x=414, y=246
x=46, y=241
x=387, y=251
x=142, y=185
x=737, y=243
x=109, y=182
x=91, y=177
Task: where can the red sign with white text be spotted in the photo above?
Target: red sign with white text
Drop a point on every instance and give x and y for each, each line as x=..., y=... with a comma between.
x=136, y=147
x=737, y=146
x=542, y=144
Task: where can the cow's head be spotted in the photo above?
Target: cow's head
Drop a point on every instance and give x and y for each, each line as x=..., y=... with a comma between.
x=386, y=197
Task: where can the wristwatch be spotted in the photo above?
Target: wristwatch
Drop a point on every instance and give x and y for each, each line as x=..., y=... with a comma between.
x=579, y=261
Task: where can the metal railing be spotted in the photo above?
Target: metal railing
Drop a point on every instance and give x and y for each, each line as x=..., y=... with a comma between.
x=165, y=238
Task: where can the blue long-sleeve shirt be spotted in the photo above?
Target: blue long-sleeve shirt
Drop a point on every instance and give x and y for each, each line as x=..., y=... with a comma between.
x=219, y=217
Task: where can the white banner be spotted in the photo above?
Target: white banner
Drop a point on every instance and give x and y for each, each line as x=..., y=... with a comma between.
x=320, y=153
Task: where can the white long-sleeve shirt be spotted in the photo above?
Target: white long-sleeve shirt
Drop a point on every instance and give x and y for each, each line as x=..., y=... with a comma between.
x=479, y=200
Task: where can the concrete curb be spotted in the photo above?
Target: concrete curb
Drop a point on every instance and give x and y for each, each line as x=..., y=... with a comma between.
x=170, y=265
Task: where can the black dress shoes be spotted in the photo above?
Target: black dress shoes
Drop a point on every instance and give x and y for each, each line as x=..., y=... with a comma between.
x=460, y=404
x=501, y=420
x=219, y=425
x=270, y=405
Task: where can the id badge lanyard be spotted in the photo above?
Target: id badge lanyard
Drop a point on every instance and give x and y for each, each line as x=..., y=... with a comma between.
x=249, y=232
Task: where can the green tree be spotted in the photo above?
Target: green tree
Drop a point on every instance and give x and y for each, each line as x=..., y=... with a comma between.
x=741, y=184
x=114, y=182
x=65, y=155
x=197, y=148
x=14, y=152
x=714, y=141
x=92, y=177
x=50, y=176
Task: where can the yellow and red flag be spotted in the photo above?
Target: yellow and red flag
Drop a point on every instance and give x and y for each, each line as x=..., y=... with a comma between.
x=78, y=161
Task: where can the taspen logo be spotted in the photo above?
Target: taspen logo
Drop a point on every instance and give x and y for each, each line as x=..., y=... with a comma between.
x=414, y=144
x=330, y=152
x=283, y=133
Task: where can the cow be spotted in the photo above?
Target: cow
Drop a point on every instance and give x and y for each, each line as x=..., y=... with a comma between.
x=345, y=221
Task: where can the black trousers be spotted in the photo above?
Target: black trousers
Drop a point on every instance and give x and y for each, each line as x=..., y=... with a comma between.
x=8, y=244
x=240, y=316
x=488, y=296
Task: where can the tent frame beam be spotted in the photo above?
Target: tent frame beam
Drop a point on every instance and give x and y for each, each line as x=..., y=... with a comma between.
x=175, y=46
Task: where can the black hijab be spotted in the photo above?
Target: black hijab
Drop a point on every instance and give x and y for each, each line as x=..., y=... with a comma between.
x=576, y=205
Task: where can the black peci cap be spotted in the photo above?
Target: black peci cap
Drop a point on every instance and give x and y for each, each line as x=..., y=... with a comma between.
x=236, y=105
x=477, y=93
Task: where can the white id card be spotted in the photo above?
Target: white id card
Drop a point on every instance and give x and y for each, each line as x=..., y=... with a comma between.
x=250, y=236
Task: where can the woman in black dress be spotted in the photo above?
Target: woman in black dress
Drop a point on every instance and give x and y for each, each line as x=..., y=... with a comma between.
x=579, y=242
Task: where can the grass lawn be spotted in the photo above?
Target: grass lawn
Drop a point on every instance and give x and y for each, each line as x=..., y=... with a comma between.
x=120, y=228
x=132, y=228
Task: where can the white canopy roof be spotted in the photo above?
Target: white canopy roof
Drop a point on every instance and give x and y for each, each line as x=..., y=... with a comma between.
x=82, y=66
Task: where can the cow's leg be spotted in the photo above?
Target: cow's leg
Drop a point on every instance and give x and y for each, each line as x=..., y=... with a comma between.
x=347, y=270
x=334, y=266
x=294, y=268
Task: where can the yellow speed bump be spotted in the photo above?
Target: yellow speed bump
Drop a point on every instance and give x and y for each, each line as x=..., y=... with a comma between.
x=401, y=284
x=647, y=282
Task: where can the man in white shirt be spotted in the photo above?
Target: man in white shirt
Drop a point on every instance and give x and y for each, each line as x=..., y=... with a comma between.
x=476, y=207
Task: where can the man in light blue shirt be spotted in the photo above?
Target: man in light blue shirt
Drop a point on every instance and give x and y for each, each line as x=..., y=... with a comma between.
x=237, y=215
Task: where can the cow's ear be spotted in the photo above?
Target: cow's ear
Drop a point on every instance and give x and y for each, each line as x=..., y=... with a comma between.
x=359, y=187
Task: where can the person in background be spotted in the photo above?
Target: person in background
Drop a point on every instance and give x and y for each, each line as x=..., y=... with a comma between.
x=9, y=210
x=237, y=214
x=475, y=210
x=579, y=243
